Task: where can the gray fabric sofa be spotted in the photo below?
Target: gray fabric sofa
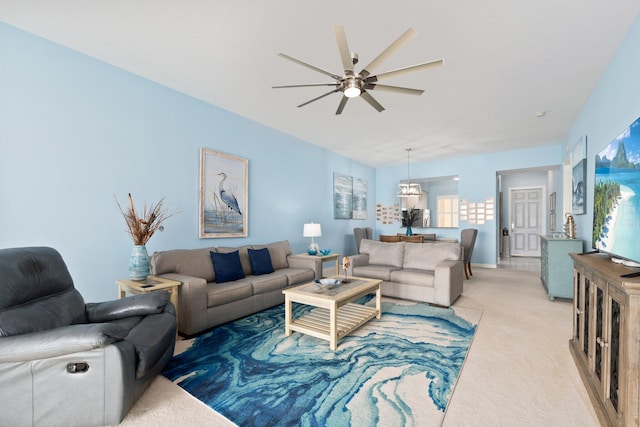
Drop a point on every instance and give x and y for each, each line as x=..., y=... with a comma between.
x=64, y=362
x=204, y=303
x=427, y=272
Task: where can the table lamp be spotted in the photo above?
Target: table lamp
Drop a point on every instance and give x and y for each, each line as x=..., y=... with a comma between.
x=312, y=230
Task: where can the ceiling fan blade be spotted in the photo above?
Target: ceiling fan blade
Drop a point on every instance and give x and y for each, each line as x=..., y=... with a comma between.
x=343, y=47
x=343, y=102
x=314, y=68
x=367, y=97
x=319, y=97
x=308, y=85
x=396, y=89
x=406, y=70
x=408, y=35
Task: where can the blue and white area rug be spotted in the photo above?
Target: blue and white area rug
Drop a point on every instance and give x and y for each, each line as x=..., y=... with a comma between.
x=399, y=370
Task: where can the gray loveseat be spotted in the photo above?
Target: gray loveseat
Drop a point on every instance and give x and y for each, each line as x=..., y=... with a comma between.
x=427, y=272
x=205, y=303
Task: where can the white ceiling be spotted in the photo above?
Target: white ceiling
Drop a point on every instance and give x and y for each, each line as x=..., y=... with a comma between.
x=505, y=61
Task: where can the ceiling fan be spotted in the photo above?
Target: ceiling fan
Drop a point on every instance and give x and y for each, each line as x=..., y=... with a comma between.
x=353, y=84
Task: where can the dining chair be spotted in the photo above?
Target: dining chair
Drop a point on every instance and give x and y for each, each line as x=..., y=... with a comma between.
x=468, y=241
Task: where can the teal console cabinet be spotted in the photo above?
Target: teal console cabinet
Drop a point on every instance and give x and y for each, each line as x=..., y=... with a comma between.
x=556, y=267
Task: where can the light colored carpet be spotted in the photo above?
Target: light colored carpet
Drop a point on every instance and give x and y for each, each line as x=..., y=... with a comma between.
x=519, y=370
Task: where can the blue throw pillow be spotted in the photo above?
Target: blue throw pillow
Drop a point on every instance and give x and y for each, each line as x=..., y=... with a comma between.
x=260, y=261
x=227, y=266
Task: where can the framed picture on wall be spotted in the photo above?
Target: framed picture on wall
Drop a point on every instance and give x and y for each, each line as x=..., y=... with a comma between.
x=359, y=198
x=579, y=176
x=342, y=196
x=349, y=197
x=224, y=181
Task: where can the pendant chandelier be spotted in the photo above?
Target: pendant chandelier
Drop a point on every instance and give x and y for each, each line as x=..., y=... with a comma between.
x=409, y=188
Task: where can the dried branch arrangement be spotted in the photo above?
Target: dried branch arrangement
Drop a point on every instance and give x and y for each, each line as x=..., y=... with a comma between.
x=141, y=228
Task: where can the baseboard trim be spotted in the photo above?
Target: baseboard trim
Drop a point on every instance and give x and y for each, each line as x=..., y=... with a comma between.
x=483, y=266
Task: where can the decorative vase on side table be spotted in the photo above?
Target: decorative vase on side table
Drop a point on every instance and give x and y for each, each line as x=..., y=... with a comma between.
x=139, y=263
x=141, y=228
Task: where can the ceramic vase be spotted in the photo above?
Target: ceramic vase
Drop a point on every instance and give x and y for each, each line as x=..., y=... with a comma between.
x=139, y=263
x=409, y=231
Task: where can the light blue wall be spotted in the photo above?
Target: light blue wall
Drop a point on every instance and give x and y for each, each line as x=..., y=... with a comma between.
x=477, y=182
x=613, y=105
x=75, y=131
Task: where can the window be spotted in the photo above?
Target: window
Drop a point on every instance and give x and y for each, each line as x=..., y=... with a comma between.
x=448, y=211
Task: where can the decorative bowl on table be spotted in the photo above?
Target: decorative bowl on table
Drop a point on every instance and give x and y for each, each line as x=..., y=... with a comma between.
x=325, y=251
x=327, y=283
x=312, y=252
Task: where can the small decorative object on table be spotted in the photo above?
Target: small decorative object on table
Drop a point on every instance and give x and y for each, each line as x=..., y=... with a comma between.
x=325, y=252
x=569, y=227
x=346, y=262
x=327, y=283
x=141, y=229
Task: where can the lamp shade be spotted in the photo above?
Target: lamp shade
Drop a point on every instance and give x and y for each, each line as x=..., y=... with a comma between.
x=410, y=189
x=312, y=230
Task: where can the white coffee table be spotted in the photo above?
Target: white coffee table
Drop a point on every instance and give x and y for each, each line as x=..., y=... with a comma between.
x=336, y=314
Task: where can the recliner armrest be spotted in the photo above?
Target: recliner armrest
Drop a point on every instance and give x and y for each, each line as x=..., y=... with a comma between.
x=59, y=341
x=135, y=305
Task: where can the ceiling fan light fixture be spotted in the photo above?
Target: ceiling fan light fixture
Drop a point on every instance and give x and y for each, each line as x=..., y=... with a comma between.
x=352, y=83
x=352, y=89
x=352, y=92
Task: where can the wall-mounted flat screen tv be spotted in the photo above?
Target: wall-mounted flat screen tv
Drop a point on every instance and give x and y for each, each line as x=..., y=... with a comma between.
x=616, y=205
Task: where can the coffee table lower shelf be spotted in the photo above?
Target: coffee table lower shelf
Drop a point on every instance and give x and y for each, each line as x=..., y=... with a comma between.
x=317, y=323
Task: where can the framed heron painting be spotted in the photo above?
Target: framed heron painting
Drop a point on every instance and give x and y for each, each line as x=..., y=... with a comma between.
x=224, y=181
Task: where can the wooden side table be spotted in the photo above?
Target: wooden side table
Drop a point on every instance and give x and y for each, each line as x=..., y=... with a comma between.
x=326, y=258
x=151, y=284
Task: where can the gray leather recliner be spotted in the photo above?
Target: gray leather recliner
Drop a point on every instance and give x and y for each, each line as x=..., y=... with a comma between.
x=67, y=363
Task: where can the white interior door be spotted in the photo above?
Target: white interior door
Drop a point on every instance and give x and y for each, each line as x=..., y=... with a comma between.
x=526, y=220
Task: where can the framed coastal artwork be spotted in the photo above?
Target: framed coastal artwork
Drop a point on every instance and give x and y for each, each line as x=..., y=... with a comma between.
x=342, y=196
x=224, y=192
x=349, y=197
x=579, y=176
x=359, y=198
